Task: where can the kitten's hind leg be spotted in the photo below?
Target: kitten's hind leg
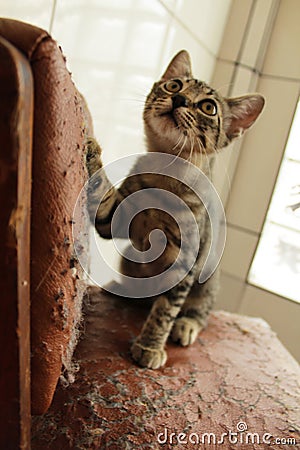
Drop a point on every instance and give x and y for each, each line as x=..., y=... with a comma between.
x=195, y=311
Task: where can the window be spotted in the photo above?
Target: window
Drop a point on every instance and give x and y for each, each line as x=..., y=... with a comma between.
x=276, y=265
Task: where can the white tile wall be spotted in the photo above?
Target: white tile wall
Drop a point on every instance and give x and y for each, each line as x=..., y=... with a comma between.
x=283, y=57
x=260, y=46
x=231, y=293
x=235, y=30
x=258, y=32
x=204, y=19
x=281, y=314
x=37, y=13
x=238, y=254
x=261, y=155
x=116, y=49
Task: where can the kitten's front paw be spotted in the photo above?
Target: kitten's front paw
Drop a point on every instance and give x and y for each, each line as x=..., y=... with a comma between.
x=185, y=331
x=93, y=156
x=148, y=357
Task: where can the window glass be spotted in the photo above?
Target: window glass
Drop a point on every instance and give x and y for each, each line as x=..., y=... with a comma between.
x=276, y=265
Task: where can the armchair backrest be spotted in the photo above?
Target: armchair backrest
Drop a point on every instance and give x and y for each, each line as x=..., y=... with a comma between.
x=16, y=122
x=42, y=137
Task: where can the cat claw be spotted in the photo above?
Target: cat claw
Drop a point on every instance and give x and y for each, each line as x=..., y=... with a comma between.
x=93, y=148
x=148, y=357
x=185, y=331
x=93, y=156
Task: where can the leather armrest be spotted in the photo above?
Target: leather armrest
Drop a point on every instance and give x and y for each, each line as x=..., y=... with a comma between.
x=58, y=175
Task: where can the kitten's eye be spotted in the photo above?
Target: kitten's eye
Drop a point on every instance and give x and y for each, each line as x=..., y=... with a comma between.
x=208, y=107
x=173, y=86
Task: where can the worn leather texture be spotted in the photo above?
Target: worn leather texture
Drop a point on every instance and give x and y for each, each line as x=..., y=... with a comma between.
x=16, y=122
x=58, y=175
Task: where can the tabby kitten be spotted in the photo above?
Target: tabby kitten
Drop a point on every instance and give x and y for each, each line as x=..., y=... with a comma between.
x=186, y=118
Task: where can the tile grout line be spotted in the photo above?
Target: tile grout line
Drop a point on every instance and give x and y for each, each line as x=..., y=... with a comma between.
x=243, y=229
x=53, y=11
x=266, y=37
x=241, y=47
x=183, y=25
x=238, y=64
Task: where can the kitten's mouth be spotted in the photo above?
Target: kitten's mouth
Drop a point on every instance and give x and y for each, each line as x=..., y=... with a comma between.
x=172, y=118
x=182, y=123
x=178, y=122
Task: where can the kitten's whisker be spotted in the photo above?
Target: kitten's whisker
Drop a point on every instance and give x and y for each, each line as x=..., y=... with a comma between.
x=210, y=141
x=182, y=147
x=204, y=153
x=190, y=136
x=192, y=139
x=214, y=151
x=132, y=100
x=201, y=148
x=177, y=155
x=178, y=142
x=208, y=164
x=225, y=170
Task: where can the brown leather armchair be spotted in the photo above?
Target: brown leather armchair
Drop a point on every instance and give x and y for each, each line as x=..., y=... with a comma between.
x=43, y=126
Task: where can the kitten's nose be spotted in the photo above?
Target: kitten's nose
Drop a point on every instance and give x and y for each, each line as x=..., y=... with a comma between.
x=179, y=100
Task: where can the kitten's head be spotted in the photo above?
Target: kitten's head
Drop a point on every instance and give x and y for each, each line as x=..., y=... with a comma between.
x=185, y=116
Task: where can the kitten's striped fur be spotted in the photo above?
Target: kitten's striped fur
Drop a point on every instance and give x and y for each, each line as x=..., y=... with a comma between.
x=184, y=117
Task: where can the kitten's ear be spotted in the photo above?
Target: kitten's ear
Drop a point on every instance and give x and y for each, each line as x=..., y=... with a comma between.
x=243, y=113
x=180, y=66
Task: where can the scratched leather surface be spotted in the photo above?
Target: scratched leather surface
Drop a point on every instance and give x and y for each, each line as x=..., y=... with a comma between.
x=58, y=176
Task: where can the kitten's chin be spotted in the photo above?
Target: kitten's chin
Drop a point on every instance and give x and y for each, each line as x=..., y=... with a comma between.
x=162, y=135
